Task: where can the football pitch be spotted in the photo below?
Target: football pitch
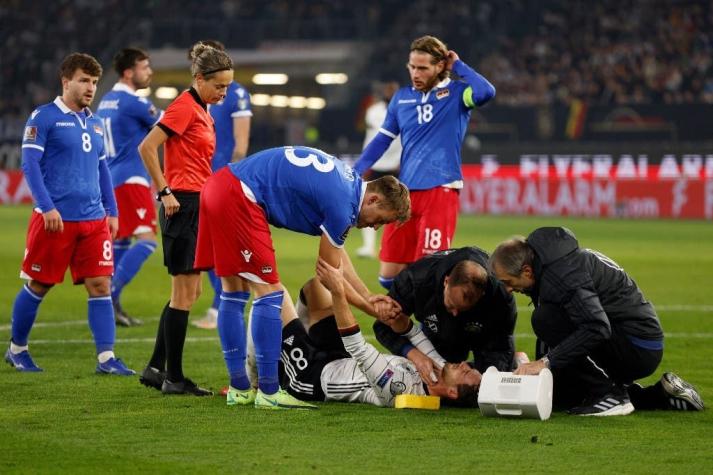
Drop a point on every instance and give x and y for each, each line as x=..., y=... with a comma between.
x=68, y=419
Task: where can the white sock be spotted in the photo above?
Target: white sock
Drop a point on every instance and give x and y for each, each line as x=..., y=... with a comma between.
x=368, y=235
x=17, y=349
x=105, y=356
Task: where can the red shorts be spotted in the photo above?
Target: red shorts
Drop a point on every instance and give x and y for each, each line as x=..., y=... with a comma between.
x=137, y=210
x=434, y=214
x=233, y=232
x=84, y=246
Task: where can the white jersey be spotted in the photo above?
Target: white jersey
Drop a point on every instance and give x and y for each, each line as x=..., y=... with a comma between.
x=369, y=376
x=390, y=160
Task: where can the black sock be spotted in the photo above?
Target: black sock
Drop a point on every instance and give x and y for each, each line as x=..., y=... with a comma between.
x=158, y=358
x=175, y=334
x=648, y=398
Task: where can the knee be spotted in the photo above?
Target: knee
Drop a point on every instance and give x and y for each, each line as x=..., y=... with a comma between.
x=98, y=287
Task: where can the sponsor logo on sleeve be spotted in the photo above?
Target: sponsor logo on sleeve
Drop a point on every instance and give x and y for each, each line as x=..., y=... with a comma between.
x=443, y=93
x=242, y=104
x=30, y=134
x=388, y=374
x=98, y=129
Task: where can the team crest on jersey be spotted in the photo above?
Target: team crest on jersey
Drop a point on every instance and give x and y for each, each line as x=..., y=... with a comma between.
x=432, y=323
x=397, y=387
x=30, y=133
x=266, y=269
x=385, y=378
x=443, y=93
x=99, y=130
x=473, y=327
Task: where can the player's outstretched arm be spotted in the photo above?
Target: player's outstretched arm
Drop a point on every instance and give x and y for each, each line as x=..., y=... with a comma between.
x=333, y=256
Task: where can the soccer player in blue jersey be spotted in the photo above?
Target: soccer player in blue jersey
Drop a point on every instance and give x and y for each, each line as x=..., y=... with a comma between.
x=301, y=189
x=127, y=119
x=75, y=216
x=431, y=117
x=232, y=118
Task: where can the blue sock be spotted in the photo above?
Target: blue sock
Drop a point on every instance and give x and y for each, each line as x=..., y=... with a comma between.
x=129, y=265
x=24, y=313
x=386, y=282
x=267, y=335
x=231, y=328
x=120, y=248
x=217, y=287
x=101, y=322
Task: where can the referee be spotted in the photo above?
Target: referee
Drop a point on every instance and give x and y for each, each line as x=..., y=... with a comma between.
x=187, y=131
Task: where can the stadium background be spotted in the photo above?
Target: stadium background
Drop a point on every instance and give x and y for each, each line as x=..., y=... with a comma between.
x=603, y=109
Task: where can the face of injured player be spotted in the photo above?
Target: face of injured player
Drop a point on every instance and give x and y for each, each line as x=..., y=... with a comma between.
x=454, y=374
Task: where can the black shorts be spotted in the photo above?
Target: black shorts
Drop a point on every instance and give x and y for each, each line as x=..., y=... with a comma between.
x=179, y=234
x=303, y=357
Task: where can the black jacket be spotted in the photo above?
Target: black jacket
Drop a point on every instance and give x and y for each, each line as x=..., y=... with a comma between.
x=593, y=290
x=486, y=329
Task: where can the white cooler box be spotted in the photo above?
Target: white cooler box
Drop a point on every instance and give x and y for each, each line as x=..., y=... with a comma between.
x=507, y=394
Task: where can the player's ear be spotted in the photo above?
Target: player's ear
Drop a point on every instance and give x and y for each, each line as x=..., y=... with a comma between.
x=452, y=392
x=527, y=271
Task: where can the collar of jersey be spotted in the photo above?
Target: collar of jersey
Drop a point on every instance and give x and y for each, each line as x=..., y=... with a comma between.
x=66, y=110
x=440, y=85
x=361, y=197
x=196, y=97
x=120, y=86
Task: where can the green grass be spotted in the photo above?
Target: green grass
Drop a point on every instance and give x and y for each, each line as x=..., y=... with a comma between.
x=68, y=419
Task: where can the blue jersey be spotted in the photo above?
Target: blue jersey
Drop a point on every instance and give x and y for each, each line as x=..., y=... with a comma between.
x=127, y=119
x=303, y=189
x=72, y=144
x=236, y=104
x=432, y=126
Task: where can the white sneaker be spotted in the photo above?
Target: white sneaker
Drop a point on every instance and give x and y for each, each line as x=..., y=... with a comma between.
x=209, y=321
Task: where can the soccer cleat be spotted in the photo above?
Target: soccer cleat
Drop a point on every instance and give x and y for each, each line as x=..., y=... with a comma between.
x=280, y=400
x=184, y=387
x=609, y=405
x=152, y=377
x=238, y=397
x=122, y=319
x=21, y=361
x=681, y=395
x=209, y=321
x=114, y=366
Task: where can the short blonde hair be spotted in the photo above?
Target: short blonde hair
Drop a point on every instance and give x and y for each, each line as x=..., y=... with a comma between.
x=395, y=194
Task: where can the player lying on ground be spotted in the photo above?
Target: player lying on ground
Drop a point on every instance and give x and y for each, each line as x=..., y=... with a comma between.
x=333, y=362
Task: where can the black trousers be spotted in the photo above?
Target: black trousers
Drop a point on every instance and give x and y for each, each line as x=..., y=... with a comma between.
x=615, y=363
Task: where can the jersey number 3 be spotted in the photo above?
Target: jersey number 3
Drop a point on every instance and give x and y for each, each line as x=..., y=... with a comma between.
x=311, y=159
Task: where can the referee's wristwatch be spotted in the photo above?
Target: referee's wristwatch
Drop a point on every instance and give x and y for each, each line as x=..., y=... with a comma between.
x=546, y=361
x=164, y=192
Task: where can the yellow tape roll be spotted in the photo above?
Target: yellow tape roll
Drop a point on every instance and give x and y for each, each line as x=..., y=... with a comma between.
x=409, y=401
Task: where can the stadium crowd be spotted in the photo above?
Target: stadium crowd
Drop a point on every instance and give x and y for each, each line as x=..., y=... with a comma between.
x=537, y=52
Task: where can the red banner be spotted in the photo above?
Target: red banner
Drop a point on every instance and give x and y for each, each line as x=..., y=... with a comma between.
x=507, y=190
